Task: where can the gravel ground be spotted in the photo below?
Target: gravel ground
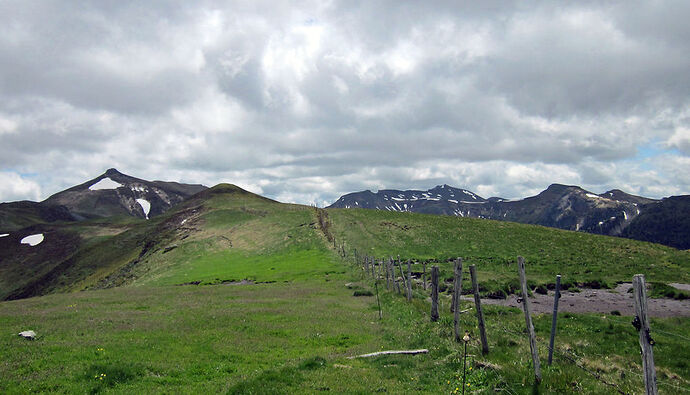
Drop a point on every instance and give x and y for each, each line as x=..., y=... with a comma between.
x=599, y=301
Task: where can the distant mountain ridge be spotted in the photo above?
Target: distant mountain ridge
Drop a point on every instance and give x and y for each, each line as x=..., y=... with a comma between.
x=110, y=194
x=560, y=206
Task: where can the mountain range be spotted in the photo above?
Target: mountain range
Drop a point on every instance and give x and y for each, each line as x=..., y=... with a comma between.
x=110, y=194
x=110, y=230
x=115, y=195
x=613, y=213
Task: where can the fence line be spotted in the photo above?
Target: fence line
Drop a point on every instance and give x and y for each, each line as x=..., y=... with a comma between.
x=566, y=355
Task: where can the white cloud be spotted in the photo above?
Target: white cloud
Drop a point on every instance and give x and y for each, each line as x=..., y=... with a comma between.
x=680, y=139
x=15, y=187
x=306, y=102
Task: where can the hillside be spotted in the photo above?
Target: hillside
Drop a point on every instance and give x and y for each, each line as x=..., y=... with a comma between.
x=210, y=237
x=232, y=292
x=667, y=222
x=108, y=195
x=559, y=206
x=493, y=246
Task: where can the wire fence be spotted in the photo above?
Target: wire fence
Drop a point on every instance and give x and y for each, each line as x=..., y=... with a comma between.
x=562, y=354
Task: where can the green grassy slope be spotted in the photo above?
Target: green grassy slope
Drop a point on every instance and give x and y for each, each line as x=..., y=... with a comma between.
x=494, y=246
x=292, y=330
x=234, y=236
x=295, y=338
x=222, y=234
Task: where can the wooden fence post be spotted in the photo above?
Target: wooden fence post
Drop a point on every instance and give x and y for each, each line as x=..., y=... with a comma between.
x=455, y=305
x=397, y=283
x=455, y=280
x=409, y=280
x=528, y=320
x=480, y=313
x=556, y=296
x=424, y=274
x=641, y=323
x=373, y=268
x=434, y=293
x=387, y=263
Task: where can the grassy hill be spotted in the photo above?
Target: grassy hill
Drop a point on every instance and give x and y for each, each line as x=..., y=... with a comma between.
x=266, y=309
x=494, y=247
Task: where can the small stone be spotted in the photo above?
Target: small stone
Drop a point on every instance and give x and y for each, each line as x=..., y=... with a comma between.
x=28, y=334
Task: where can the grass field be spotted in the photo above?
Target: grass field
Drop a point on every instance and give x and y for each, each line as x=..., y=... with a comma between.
x=494, y=246
x=294, y=338
x=292, y=330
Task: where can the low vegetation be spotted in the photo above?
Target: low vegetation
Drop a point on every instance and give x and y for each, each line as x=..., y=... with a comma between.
x=583, y=259
x=238, y=294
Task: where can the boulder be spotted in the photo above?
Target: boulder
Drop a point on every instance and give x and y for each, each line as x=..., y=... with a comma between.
x=31, y=335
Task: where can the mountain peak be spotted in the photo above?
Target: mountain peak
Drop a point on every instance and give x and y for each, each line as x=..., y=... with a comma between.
x=560, y=187
x=112, y=172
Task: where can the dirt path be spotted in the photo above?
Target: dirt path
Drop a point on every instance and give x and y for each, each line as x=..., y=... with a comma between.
x=598, y=301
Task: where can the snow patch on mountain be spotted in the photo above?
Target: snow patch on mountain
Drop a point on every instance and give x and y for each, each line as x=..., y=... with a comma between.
x=145, y=205
x=33, y=240
x=105, y=183
x=4, y=235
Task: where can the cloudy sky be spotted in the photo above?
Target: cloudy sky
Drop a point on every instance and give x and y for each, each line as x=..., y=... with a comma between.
x=305, y=101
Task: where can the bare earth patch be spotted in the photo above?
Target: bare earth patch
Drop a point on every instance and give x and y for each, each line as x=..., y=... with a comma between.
x=599, y=301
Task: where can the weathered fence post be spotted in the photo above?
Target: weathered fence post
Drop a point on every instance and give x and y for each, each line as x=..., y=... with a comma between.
x=402, y=275
x=455, y=280
x=455, y=305
x=528, y=320
x=424, y=274
x=434, y=293
x=409, y=280
x=397, y=283
x=641, y=323
x=556, y=296
x=387, y=264
x=376, y=284
x=373, y=268
x=480, y=313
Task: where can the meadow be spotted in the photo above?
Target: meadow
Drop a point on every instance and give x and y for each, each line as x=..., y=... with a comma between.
x=291, y=325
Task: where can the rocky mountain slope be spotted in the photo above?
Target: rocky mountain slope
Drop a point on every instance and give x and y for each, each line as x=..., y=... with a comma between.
x=666, y=222
x=110, y=194
x=559, y=206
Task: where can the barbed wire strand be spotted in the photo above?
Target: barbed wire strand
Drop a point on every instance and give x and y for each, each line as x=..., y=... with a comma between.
x=564, y=355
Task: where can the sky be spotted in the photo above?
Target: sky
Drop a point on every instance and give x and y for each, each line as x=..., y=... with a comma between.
x=305, y=101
